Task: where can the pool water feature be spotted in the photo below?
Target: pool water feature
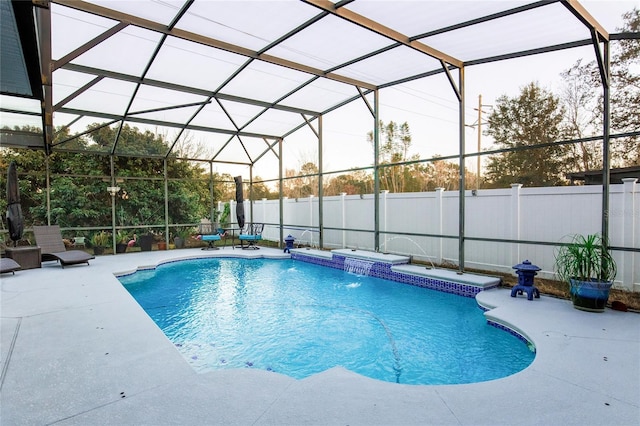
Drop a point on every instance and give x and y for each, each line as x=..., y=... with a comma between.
x=358, y=266
x=300, y=319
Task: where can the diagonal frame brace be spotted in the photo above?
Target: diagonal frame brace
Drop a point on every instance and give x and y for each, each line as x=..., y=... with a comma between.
x=454, y=86
x=78, y=92
x=306, y=120
x=88, y=45
x=366, y=102
x=598, y=34
x=604, y=71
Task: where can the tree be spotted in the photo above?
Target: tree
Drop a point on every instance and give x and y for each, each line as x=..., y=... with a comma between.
x=581, y=118
x=443, y=174
x=302, y=183
x=532, y=118
x=188, y=147
x=291, y=184
x=144, y=199
x=395, y=141
x=624, y=100
x=260, y=190
x=226, y=187
x=625, y=97
x=309, y=179
x=78, y=183
x=357, y=182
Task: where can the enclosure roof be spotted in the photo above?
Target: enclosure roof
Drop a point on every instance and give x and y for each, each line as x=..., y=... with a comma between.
x=246, y=73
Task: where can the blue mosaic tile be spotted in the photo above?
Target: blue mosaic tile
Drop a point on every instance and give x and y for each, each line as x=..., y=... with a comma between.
x=513, y=332
x=330, y=263
x=383, y=270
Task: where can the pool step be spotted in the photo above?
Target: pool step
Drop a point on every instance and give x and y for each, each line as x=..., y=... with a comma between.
x=482, y=281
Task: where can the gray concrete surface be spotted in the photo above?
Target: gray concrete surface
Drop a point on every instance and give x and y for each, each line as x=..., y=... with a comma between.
x=78, y=350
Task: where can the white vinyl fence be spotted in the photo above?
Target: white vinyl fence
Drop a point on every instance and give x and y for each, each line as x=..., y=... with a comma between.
x=546, y=215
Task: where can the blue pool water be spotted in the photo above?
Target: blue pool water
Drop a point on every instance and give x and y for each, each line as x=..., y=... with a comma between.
x=299, y=319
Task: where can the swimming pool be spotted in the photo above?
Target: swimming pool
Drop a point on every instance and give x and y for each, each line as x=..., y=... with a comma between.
x=300, y=319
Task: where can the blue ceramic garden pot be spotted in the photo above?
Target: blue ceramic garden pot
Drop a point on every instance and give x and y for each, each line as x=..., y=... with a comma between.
x=590, y=296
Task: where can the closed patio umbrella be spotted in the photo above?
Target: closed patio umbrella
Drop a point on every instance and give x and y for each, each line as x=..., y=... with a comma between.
x=239, y=201
x=14, y=210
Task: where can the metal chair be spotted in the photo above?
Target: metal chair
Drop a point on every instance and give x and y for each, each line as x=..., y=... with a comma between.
x=209, y=235
x=251, y=234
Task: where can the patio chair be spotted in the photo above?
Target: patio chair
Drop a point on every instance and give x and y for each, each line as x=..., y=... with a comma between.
x=251, y=234
x=79, y=242
x=8, y=265
x=209, y=234
x=49, y=239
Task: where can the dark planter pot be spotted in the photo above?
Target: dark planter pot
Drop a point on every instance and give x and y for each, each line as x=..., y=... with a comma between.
x=591, y=296
x=145, y=242
x=121, y=248
x=179, y=242
x=98, y=250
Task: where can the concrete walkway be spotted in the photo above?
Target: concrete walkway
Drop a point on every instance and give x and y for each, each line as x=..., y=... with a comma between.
x=78, y=350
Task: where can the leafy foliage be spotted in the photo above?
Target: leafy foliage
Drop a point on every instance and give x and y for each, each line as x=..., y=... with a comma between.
x=532, y=118
x=586, y=258
x=625, y=97
x=357, y=182
x=78, y=195
x=624, y=100
x=101, y=239
x=395, y=142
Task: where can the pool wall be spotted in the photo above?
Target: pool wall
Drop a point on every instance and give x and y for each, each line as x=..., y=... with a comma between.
x=397, y=268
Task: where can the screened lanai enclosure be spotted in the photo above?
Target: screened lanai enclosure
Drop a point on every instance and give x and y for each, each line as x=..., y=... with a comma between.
x=445, y=130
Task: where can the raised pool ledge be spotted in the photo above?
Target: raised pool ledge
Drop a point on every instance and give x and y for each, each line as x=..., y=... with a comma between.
x=397, y=268
x=372, y=256
x=484, y=282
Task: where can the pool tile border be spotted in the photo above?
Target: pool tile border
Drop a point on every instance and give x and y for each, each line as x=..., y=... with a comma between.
x=214, y=255
x=513, y=332
x=384, y=270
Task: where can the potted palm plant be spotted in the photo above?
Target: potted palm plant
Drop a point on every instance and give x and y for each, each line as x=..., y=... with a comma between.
x=122, y=239
x=181, y=235
x=100, y=240
x=587, y=265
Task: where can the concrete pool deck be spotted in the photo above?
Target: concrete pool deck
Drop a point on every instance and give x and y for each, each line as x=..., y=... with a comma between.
x=76, y=349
